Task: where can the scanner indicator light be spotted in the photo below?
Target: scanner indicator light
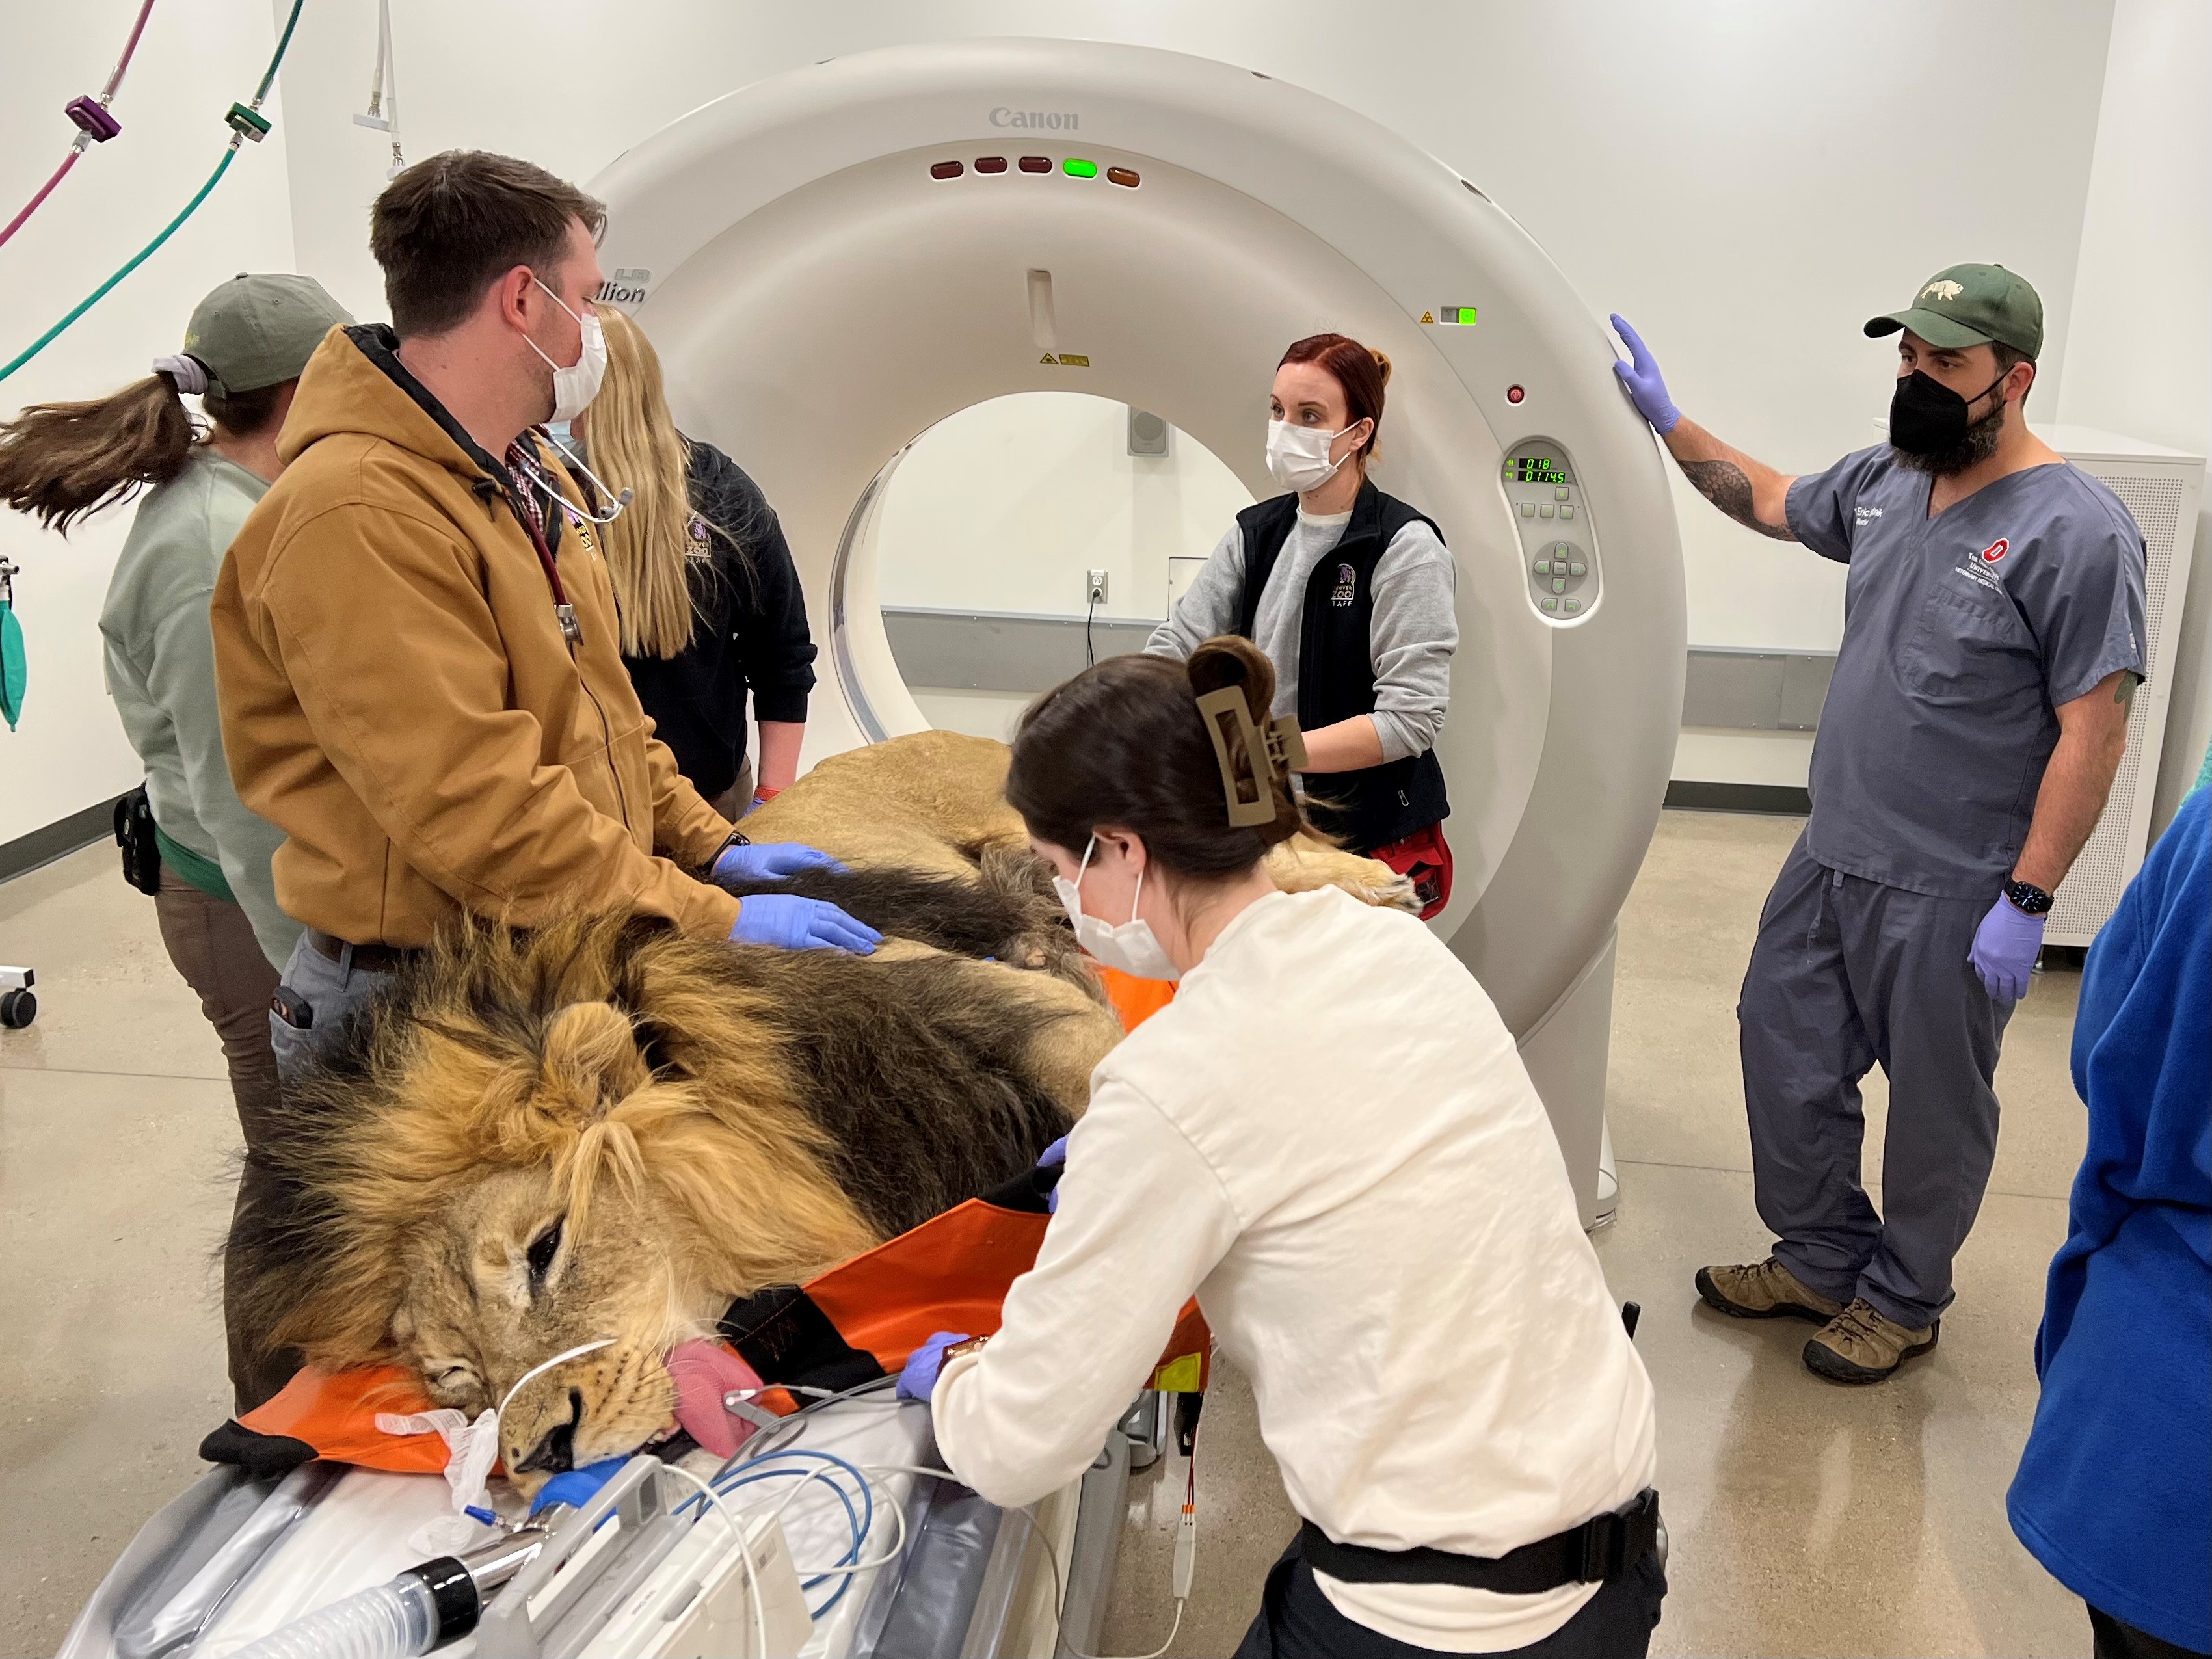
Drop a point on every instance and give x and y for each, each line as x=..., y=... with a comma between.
x=990, y=164
x=947, y=170
x=1076, y=167
x=1124, y=176
x=1036, y=164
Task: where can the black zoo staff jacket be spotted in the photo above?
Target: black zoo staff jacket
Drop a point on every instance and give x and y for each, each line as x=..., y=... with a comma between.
x=1336, y=670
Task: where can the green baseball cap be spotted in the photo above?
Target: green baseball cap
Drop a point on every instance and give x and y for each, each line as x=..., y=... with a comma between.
x=1971, y=305
x=257, y=331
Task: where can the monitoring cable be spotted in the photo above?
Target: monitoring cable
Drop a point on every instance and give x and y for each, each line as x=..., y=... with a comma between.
x=245, y=122
x=95, y=125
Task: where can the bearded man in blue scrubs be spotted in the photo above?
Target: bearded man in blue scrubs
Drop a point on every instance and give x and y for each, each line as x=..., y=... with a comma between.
x=1993, y=629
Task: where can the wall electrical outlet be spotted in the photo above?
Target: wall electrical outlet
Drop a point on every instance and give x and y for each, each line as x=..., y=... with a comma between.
x=1095, y=591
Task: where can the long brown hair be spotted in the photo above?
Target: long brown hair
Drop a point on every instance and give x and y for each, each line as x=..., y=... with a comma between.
x=1123, y=744
x=59, y=462
x=634, y=442
x=1362, y=371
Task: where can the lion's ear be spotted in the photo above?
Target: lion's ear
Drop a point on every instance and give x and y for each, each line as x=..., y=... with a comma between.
x=593, y=1050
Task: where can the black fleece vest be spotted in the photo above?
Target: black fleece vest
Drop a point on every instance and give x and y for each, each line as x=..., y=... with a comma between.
x=1336, y=665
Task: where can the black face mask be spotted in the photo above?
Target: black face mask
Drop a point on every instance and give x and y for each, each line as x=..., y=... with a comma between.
x=1926, y=417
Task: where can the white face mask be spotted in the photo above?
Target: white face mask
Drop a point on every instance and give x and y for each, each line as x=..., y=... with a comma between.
x=575, y=386
x=1297, y=456
x=1131, y=947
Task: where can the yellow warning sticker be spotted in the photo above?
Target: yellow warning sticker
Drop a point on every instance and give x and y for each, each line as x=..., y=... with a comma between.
x=1428, y=316
x=1178, y=1376
x=1048, y=358
x=1071, y=360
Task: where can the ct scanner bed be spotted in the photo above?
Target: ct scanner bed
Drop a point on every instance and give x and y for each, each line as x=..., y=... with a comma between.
x=232, y=1558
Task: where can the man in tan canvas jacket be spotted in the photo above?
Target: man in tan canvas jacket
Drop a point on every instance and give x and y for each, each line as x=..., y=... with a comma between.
x=416, y=643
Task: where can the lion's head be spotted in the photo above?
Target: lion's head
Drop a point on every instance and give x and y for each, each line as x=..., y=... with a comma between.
x=602, y=1130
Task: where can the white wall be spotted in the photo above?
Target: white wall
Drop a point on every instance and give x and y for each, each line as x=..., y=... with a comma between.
x=1009, y=505
x=1746, y=180
x=196, y=58
x=2141, y=367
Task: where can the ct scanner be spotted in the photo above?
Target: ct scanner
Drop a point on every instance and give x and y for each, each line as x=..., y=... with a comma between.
x=834, y=260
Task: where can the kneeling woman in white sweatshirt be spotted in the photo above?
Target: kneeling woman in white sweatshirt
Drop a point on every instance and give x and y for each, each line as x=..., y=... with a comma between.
x=1329, y=1138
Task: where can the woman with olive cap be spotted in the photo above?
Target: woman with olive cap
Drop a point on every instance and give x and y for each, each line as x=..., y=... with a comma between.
x=244, y=350
x=1391, y=1253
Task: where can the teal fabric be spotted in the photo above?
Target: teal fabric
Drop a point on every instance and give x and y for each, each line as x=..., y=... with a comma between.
x=13, y=669
x=2204, y=772
x=161, y=671
x=203, y=874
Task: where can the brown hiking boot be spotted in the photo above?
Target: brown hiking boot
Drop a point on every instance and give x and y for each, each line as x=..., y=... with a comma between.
x=1861, y=1345
x=1764, y=1290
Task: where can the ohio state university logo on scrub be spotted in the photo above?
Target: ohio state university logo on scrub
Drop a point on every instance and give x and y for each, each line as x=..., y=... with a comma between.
x=1995, y=550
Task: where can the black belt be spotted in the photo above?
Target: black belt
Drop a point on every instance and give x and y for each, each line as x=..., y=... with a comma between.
x=369, y=958
x=1603, y=1548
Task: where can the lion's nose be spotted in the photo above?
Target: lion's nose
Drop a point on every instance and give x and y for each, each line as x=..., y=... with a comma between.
x=556, y=1452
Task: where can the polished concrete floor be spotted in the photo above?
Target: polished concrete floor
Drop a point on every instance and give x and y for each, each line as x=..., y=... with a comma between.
x=1806, y=1518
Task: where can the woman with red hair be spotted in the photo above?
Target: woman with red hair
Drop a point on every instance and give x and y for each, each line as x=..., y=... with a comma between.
x=1349, y=592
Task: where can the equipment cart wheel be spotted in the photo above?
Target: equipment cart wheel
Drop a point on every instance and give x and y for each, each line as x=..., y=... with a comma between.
x=18, y=1005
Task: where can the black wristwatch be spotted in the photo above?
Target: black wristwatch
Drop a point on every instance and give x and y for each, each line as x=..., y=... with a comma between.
x=2027, y=898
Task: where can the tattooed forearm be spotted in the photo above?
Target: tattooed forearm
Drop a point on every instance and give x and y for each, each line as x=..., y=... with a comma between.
x=1723, y=484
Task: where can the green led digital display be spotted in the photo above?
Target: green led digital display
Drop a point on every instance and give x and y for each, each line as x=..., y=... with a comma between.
x=1536, y=469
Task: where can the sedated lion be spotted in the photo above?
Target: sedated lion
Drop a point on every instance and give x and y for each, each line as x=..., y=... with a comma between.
x=598, y=1128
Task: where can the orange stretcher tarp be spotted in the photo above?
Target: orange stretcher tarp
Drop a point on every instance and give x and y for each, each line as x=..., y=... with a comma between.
x=336, y=1414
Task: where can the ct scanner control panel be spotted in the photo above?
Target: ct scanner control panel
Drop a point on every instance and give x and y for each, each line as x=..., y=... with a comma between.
x=1558, y=548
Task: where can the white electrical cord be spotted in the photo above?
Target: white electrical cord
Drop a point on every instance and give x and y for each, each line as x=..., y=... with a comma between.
x=709, y=1499
x=383, y=113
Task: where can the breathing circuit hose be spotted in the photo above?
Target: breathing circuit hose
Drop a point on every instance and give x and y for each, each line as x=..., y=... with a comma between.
x=393, y=1621
x=424, y=1605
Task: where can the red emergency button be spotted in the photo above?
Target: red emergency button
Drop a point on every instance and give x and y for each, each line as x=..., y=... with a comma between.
x=1514, y=394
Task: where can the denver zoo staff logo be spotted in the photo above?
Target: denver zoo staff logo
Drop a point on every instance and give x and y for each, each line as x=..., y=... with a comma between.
x=1995, y=550
x=1346, y=580
x=1943, y=291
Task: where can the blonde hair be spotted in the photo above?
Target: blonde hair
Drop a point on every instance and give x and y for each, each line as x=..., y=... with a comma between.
x=634, y=443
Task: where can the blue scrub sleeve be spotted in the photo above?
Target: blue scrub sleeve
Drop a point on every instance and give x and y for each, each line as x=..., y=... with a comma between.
x=2085, y=607
x=1819, y=508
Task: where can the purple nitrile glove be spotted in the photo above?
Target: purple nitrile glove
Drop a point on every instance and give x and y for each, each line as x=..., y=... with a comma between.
x=2004, y=950
x=801, y=924
x=919, y=1376
x=1640, y=374
x=769, y=860
x=1053, y=1157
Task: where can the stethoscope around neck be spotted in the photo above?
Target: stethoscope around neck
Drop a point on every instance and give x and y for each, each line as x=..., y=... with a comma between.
x=579, y=516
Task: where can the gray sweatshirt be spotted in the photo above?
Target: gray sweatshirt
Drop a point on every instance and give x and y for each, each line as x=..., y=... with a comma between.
x=161, y=672
x=1410, y=644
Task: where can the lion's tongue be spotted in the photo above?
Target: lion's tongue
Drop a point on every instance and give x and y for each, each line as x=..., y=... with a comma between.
x=703, y=1372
